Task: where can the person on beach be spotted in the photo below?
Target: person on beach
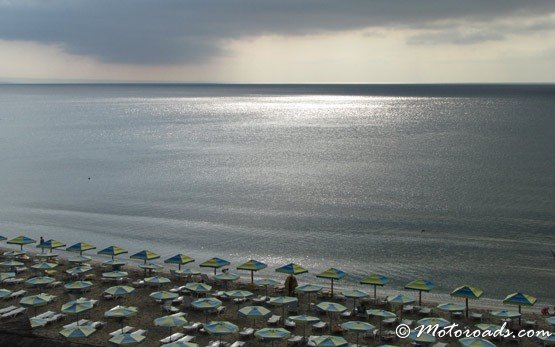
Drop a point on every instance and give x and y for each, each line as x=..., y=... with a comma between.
x=291, y=284
x=41, y=242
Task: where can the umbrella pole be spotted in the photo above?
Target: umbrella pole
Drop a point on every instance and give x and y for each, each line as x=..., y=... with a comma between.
x=466, y=307
x=375, y=290
x=252, y=277
x=357, y=339
x=215, y=275
x=331, y=321
x=519, y=317
x=332, y=287
x=419, y=298
x=179, y=266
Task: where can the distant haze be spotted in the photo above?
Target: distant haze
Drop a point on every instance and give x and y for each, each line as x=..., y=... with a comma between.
x=277, y=41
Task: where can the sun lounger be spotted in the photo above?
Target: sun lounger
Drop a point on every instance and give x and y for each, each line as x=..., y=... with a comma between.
x=7, y=309
x=457, y=315
x=172, y=338
x=138, y=284
x=407, y=322
x=425, y=311
x=260, y=300
x=289, y=324
x=530, y=324
x=238, y=344
x=142, y=332
x=18, y=294
x=169, y=308
x=125, y=330
x=193, y=328
x=45, y=315
x=54, y=284
x=347, y=314
x=320, y=326
x=56, y=317
x=80, y=322
x=97, y=325
x=178, y=314
x=177, y=300
x=295, y=340
x=177, y=289
x=408, y=309
x=389, y=321
x=220, y=310
x=13, y=281
x=186, y=338
x=14, y=313
x=274, y=320
x=476, y=316
x=20, y=269
x=439, y=344
x=246, y=333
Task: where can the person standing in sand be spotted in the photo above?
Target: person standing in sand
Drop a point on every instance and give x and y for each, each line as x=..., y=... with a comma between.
x=291, y=284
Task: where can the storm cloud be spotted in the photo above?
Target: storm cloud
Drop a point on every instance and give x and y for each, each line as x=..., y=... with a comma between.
x=190, y=31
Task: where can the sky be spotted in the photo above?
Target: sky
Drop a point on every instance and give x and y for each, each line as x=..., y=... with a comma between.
x=277, y=41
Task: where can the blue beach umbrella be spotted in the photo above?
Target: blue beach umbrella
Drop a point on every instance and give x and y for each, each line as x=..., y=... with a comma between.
x=292, y=269
x=221, y=328
x=421, y=286
x=77, y=332
x=358, y=327
x=80, y=247
x=145, y=256
x=254, y=312
x=21, y=241
x=215, y=263
x=179, y=259
x=112, y=251
x=475, y=342
x=252, y=266
x=50, y=245
x=272, y=334
x=375, y=280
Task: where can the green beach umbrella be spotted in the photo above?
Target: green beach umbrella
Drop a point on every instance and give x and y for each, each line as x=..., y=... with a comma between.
x=78, y=285
x=11, y=264
x=170, y=322
x=520, y=299
x=76, y=307
x=330, y=341
x=254, y=312
x=47, y=256
x=4, y=293
x=206, y=304
x=506, y=314
x=163, y=295
x=265, y=282
x=40, y=281
x=272, y=334
x=331, y=308
x=118, y=291
x=475, y=342
x=332, y=274
x=79, y=270
x=112, y=251
x=37, y=322
x=548, y=340
x=179, y=259
x=50, y=245
x=145, y=256
x=157, y=280
x=226, y=277
x=198, y=287
x=282, y=301
x=13, y=254
x=181, y=344
x=114, y=274
x=77, y=332
x=433, y=321
x=239, y=294
x=35, y=301
x=6, y=275
x=150, y=266
x=127, y=339
x=44, y=266
x=467, y=292
x=451, y=307
x=252, y=266
x=80, y=259
x=187, y=272
x=423, y=337
x=489, y=327
x=304, y=319
x=354, y=294
x=358, y=327
x=292, y=269
x=375, y=280
x=382, y=314
x=114, y=262
x=308, y=289
x=120, y=313
x=80, y=247
x=401, y=300
x=21, y=241
x=420, y=286
x=215, y=263
x=221, y=328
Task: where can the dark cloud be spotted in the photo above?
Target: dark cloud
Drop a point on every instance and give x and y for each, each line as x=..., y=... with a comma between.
x=178, y=31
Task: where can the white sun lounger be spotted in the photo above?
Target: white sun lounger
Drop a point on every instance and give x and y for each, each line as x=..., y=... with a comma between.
x=172, y=338
x=14, y=313
x=7, y=309
x=80, y=322
x=125, y=330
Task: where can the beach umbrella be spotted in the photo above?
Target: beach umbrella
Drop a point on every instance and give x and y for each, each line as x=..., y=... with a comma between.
x=420, y=286
x=467, y=292
x=304, y=319
x=272, y=334
x=14, y=254
x=163, y=295
x=520, y=299
x=50, y=245
x=127, y=339
x=114, y=274
x=78, y=332
x=179, y=259
x=475, y=342
x=11, y=264
x=433, y=321
x=375, y=280
x=332, y=274
x=21, y=241
x=47, y=256
x=120, y=313
x=78, y=285
x=3, y=238
x=239, y=294
x=4, y=293
x=551, y=320
x=330, y=341
x=421, y=337
x=292, y=269
x=80, y=259
x=40, y=281
x=170, y=322
x=206, y=304
x=215, y=263
x=252, y=266
x=265, y=282
x=118, y=291
x=79, y=270
x=80, y=247
x=112, y=251
x=505, y=314
x=282, y=301
x=157, y=280
x=44, y=266
x=180, y=344
x=355, y=295
x=6, y=275
x=308, y=289
x=221, y=328
x=254, y=312
x=114, y=262
x=76, y=307
x=35, y=301
x=331, y=308
x=187, y=272
x=150, y=267
x=358, y=327
x=489, y=327
x=37, y=322
x=401, y=300
x=548, y=340
x=198, y=287
x=226, y=277
x=145, y=256
x=451, y=307
x=382, y=314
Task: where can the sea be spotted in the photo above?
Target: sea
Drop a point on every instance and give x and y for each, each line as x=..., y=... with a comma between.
x=449, y=183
